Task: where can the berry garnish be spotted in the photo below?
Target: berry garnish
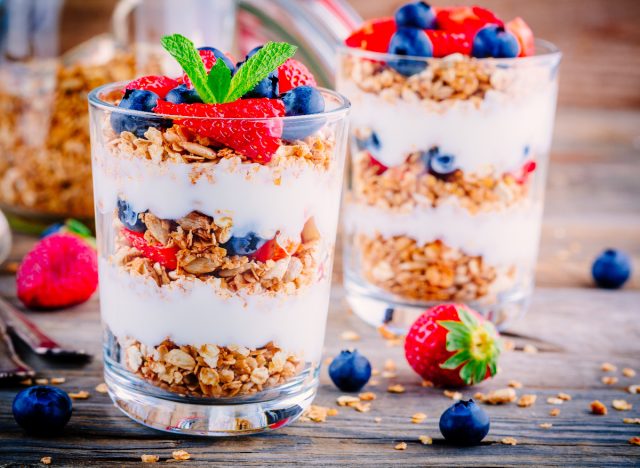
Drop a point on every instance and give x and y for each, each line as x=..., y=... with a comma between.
x=245, y=245
x=165, y=256
x=276, y=249
x=42, y=410
x=266, y=88
x=447, y=42
x=303, y=100
x=374, y=35
x=160, y=85
x=494, y=41
x=182, y=94
x=465, y=19
x=129, y=217
x=371, y=143
x=525, y=171
x=464, y=423
x=209, y=56
x=60, y=271
x=292, y=74
x=452, y=345
x=416, y=15
x=442, y=166
x=523, y=33
x=140, y=100
x=411, y=42
x=350, y=371
x=611, y=269
x=218, y=54
x=231, y=124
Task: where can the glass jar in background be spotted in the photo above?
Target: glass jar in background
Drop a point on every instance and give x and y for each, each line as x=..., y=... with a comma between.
x=215, y=270
x=446, y=182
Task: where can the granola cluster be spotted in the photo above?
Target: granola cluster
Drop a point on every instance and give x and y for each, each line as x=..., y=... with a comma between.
x=212, y=371
x=45, y=166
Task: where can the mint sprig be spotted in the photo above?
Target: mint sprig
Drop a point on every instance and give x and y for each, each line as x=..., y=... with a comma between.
x=219, y=86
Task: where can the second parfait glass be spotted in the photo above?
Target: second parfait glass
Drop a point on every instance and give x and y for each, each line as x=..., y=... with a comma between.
x=215, y=270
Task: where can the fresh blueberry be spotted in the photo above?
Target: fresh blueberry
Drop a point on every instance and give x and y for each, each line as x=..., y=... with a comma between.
x=220, y=55
x=416, y=15
x=42, y=409
x=464, y=423
x=494, y=41
x=181, y=94
x=268, y=87
x=139, y=100
x=129, y=217
x=244, y=246
x=370, y=143
x=441, y=166
x=350, y=371
x=611, y=269
x=412, y=42
x=303, y=100
x=51, y=229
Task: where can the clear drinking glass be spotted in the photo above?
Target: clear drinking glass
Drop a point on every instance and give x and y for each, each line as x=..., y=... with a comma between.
x=446, y=181
x=214, y=296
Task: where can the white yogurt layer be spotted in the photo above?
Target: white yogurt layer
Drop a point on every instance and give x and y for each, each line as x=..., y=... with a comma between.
x=494, y=135
x=502, y=238
x=245, y=192
x=193, y=312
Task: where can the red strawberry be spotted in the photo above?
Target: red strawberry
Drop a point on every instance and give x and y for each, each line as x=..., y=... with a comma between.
x=381, y=168
x=209, y=60
x=447, y=43
x=465, y=19
x=292, y=74
x=272, y=250
x=523, y=33
x=160, y=85
x=452, y=345
x=256, y=139
x=60, y=271
x=374, y=35
x=165, y=256
x=525, y=171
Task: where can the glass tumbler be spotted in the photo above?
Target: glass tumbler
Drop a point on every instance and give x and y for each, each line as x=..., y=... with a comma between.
x=215, y=270
x=446, y=182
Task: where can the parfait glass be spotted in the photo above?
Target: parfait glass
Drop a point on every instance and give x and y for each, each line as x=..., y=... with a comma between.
x=446, y=183
x=215, y=270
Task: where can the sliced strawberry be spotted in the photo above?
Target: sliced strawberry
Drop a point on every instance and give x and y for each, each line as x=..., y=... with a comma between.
x=256, y=139
x=525, y=171
x=209, y=60
x=381, y=168
x=292, y=74
x=160, y=85
x=374, y=35
x=447, y=43
x=273, y=250
x=523, y=33
x=465, y=19
x=165, y=256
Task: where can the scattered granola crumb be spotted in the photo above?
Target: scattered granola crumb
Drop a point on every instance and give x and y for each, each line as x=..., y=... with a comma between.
x=58, y=380
x=181, y=455
x=608, y=367
x=425, y=440
x=609, y=380
x=81, y=395
x=514, y=384
x=377, y=419
x=389, y=374
x=401, y=446
x=546, y=425
x=453, y=395
x=367, y=396
x=41, y=381
x=361, y=407
x=417, y=418
x=45, y=460
x=149, y=458
x=332, y=412
x=328, y=361
x=396, y=388
x=389, y=365
x=26, y=382
x=374, y=383
x=598, y=408
x=386, y=333
x=554, y=412
x=375, y=371
x=634, y=440
x=631, y=420
x=621, y=405
x=399, y=341
x=427, y=384
x=347, y=400
x=509, y=441
x=555, y=401
x=499, y=397
x=349, y=335
x=633, y=389
x=102, y=388
x=318, y=413
x=508, y=345
x=628, y=372
x=529, y=349
x=11, y=267
x=564, y=396
x=527, y=400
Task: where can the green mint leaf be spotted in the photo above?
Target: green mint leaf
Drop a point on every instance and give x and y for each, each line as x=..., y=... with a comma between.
x=186, y=54
x=258, y=67
x=219, y=80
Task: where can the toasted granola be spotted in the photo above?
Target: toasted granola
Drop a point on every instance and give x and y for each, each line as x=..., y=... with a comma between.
x=597, y=407
x=317, y=413
x=212, y=371
x=527, y=400
x=499, y=397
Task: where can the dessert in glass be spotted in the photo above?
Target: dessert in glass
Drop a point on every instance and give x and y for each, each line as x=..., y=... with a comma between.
x=217, y=199
x=451, y=128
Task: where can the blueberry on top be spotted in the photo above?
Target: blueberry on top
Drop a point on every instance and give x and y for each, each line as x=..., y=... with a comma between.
x=494, y=41
x=139, y=100
x=303, y=100
x=129, y=217
x=244, y=246
x=464, y=423
x=268, y=87
x=611, y=269
x=416, y=15
x=220, y=55
x=412, y=42
x=350, y=371
x=181, y=94
x=42, y=409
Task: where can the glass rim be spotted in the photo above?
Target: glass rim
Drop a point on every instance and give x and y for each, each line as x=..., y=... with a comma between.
x=549, y=50
x=340, y=111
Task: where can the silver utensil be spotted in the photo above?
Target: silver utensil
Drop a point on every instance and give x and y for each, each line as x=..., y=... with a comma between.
x=11, y=366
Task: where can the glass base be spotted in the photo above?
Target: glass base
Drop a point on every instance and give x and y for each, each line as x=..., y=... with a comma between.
x=206, y=417
x=378, y=308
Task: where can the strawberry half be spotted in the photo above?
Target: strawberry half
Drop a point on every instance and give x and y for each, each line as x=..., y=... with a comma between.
x=160, y=85
x=447, y=42
x=465, y=19
x=523, y=33
x=374, y=35
x=273, y=250
x=292, y=74
x=452, y=345
x=165, y=256
x=256, y=139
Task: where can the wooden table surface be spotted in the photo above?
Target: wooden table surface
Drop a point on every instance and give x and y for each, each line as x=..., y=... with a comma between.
x=593, y=202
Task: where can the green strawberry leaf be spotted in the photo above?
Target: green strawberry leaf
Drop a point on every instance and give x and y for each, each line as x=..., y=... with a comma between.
x=219, y=80
x=258, y=67
x=467, y=318
x=76, y=227
x=456, y=360
x=186, y=54
x=480, y=370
